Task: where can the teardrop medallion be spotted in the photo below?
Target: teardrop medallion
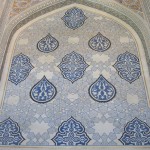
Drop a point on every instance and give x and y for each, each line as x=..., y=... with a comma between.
x=99, y=43
x=43, y=92
x=101, y=90
x=47, y=44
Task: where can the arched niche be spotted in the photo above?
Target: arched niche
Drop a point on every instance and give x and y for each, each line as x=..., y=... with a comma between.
x=103, y=8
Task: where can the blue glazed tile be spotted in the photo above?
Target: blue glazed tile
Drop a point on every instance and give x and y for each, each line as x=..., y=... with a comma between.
x=99, y=43
x=74, y=18
x=136, y=132
x=96, y=136
x=43, y=92
x=77, y=62
x=20, y=68
x=128, y=67
x=101, y=90
x=71, y=133
x=73, y=66
x=47, y=44
x=10, y=133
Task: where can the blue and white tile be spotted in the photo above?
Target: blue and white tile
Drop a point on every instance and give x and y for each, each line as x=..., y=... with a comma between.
x=73, y=99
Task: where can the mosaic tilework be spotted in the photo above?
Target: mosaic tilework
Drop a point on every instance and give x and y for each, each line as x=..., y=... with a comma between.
x=10, y=133
x=3, y=43
x=128, y=67
x=99, y=43
x=47, y=44
x=44, y=91
x=20, y=68
x=101, y=90
x=74, y=18
x=136, y=132
x=73, y=66
x=71, y=133
x=103, y=122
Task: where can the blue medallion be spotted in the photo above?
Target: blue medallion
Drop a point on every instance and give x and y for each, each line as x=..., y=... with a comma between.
x=99, y=43
x=74, y=18
x=101, y=90
x=43, y=92
x=128, y=67
x=47, y=44
x=10, y=133
x=71, y=133
x=20, y=68
x=73, y=66
x=136, y=132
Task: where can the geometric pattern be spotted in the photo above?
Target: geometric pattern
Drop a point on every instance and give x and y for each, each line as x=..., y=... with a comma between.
x=73, y=66
x=101, y=90
x=74, y=18
x=102, y=122
x=20, y=68
x=10, y=133
x=47, y=44
x=128, y=67
x=43, y=91
x=99, y=43
x=136, y=132
x=71, y=133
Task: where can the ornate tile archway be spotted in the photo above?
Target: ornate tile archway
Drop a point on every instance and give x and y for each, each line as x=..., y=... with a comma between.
x=140, y=53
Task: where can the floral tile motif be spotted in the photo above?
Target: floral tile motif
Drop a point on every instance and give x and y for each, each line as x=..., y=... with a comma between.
x=20, y=68
x=47, y=44
x=10, y=133
x=136, y=132
x=101, y=90
x=128, y=67
x=71, y=133
x=99, y=43
x=73, y=66
x=74, y=18
x=43, y=92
